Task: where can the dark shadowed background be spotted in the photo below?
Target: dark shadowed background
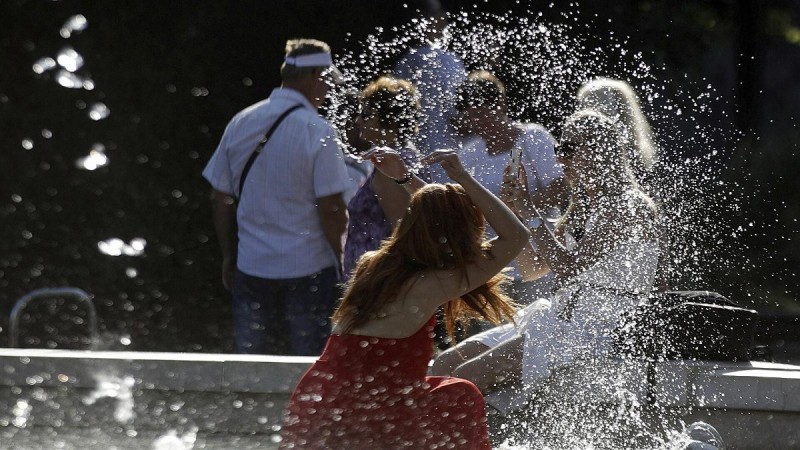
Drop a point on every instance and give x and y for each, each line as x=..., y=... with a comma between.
x=173, y=73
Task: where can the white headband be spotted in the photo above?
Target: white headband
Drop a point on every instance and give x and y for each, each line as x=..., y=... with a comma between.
x=310, y=60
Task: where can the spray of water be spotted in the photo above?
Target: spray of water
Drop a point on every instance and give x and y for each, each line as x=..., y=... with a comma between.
x=21, y=412
x=117, y=388
x=172, y=441
x=543, y=65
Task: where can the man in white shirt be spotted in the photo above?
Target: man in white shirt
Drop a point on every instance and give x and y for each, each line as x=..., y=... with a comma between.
x=281, y=241
x=481, y=104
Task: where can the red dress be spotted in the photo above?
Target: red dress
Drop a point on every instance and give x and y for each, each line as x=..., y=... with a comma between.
x=368, y=392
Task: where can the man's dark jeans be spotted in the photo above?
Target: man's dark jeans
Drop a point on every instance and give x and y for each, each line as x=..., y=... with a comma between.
x=283, y=317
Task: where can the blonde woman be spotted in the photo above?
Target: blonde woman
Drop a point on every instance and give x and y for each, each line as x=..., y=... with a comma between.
x=605, y=246
x=617, y=100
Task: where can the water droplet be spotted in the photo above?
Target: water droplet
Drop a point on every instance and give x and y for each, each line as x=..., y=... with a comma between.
x=44, y=64
x=99, y=111
x=69, y=80
x=118, y=247
x=95, y=159
x=76, y=23
x=69, y=59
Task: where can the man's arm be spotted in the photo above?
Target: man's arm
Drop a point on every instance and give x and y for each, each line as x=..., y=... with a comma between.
x=333, y=217
x=224, y=210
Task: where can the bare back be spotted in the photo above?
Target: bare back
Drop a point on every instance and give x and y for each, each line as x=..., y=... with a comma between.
x=424, y=293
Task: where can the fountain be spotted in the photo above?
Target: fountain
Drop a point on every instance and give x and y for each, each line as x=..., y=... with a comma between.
x=99, y=399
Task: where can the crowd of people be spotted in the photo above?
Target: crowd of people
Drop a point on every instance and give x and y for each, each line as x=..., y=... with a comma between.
x=467, y=216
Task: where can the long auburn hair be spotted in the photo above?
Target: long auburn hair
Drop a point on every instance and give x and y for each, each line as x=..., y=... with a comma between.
x=442, y=229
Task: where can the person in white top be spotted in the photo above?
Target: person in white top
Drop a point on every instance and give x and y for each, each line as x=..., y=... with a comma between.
x=497, y=143
x=436, y=73
x=279, y=213
x=605, y=245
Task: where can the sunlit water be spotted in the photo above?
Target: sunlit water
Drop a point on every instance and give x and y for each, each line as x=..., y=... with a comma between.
x=119, y=389
x=543, y=64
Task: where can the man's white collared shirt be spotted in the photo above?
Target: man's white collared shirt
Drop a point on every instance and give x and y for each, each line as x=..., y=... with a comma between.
x=280, y=234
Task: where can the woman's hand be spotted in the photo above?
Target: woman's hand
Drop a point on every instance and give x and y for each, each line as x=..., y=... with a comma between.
x=514, y=189
x=450, y=163
x=388, y=162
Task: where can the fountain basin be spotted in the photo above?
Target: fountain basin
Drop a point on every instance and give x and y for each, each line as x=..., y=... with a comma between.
x=97, y=399
x=754, y=405
x=130, y=399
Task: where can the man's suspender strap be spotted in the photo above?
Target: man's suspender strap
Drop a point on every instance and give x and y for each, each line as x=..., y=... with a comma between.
x=260, y=147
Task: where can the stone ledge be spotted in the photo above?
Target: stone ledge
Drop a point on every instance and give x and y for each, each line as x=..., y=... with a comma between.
x=160, y=371
x=74, y=389
x=684, y=384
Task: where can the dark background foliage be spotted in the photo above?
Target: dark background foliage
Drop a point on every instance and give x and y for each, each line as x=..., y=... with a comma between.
x=173, y=73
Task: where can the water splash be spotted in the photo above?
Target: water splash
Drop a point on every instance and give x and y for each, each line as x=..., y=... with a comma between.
x=543, y=65
x=69, y=59
x=99, y=111
x=74, y=24
x=69, y=80
x=120, y=389
x=42, y=65
x=21, y=412
x=171, y=440
x=118, y=247
x=95, y=159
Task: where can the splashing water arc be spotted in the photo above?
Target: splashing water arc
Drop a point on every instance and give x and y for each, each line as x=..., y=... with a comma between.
x=542, y=65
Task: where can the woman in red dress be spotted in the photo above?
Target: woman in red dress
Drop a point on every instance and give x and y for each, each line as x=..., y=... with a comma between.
x=369, y=388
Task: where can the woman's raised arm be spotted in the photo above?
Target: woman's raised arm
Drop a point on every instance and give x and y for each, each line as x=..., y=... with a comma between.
x=512, y=235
